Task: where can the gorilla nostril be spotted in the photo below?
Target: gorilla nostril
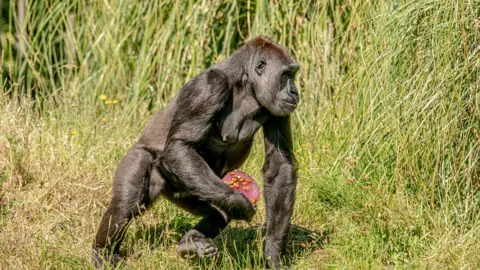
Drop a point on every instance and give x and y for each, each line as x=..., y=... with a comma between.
x=291, y=90
x=293, y=93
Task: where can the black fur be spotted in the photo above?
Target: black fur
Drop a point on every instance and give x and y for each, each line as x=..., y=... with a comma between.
x=206, y=131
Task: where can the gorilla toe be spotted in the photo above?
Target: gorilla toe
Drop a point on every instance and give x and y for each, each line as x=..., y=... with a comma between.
x=197, y=247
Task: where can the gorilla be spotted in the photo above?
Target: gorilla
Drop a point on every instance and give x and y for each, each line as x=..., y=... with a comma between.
x=204, y=132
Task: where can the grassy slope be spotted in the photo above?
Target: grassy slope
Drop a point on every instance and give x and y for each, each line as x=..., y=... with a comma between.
x=387, y=136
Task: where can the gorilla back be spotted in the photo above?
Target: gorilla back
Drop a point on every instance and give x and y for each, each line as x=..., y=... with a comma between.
x=204, y=132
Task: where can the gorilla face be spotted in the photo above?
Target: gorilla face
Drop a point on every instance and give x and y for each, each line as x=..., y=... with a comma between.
x=273, y=79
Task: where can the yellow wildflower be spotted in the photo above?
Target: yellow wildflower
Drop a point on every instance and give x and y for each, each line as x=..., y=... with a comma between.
x=74, y=132
x=104, y=119
x=103, y=97
x=108, y=101
x=115, y=101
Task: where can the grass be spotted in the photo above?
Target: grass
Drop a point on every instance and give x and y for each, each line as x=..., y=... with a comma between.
x=387, y=135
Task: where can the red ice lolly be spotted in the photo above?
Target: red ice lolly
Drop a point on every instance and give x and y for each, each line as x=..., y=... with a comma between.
x=243, y=183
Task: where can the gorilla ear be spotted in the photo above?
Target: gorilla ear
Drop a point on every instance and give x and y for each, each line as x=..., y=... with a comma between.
x=260, y=67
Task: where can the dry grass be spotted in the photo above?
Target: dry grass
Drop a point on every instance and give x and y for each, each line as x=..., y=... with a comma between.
x=387, y=135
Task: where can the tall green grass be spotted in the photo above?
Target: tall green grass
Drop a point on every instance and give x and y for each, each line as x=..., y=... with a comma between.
x=387, y=135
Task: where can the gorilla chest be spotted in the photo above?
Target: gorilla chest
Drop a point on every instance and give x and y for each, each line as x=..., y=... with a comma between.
x=223, y=157
x=240, y=124
x=231, y=136
x=230, y=140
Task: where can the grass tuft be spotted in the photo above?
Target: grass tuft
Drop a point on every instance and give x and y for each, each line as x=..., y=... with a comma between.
x=387, y=135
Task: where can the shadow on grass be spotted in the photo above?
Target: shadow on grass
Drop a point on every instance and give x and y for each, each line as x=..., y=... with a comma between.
x=163, y=234
x=238, y=247
x=244, y=245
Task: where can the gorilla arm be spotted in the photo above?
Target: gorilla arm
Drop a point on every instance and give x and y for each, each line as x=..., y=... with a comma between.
x=198, y=104
x=280, y=179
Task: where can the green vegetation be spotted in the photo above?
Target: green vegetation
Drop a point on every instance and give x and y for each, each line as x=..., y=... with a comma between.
x=387, y=135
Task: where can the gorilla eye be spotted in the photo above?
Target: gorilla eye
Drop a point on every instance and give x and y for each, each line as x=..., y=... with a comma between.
x=259, y=67
x=261, y=64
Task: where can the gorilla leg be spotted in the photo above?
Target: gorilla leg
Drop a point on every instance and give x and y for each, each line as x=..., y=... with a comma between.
x=133, y=188
x=198, y=240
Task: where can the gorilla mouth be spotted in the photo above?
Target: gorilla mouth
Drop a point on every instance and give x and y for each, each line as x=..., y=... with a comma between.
x=288, y=106
x=290, y=103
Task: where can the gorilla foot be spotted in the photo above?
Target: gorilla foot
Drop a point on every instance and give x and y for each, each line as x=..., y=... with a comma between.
x=193, y=244
x=201, y=248
x=101, y=259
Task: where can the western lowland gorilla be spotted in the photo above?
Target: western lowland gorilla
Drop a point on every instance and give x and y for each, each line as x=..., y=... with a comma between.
x=205, y=131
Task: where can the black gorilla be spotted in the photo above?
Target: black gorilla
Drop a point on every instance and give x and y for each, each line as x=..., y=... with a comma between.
x=206, y=131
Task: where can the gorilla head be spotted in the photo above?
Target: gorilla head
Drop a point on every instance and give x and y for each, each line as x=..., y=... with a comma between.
x=271, y=72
